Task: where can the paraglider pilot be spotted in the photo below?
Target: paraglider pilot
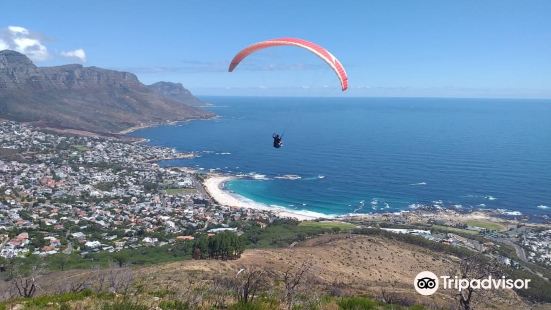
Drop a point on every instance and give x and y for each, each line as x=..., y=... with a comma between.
x=277, y=140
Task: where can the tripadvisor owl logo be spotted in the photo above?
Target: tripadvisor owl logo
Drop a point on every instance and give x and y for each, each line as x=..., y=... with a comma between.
x=426, y=283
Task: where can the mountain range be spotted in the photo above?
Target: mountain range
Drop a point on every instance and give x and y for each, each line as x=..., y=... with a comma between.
x=88, y=98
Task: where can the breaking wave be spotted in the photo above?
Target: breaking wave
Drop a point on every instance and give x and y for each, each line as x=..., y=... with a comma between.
x=288, y=177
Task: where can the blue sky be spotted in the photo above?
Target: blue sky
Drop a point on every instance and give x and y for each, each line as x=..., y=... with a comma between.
x=389, y=47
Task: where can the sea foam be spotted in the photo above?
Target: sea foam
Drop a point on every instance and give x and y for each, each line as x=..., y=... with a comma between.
x=288, y=177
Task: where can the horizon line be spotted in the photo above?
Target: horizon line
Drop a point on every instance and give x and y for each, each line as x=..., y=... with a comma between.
x=375, y=97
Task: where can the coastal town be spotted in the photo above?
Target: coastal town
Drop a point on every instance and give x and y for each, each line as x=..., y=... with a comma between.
x=487, y=232
x=86, y=194
x=65, y=194
x=538, y=246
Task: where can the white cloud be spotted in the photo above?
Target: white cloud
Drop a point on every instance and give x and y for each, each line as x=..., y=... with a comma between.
x=27, y=42
x=22, y=40
x=79, y=54
x=17, y=29
x=3, y=45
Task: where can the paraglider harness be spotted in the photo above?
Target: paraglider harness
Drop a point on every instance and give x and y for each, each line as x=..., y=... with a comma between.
x=277, y=140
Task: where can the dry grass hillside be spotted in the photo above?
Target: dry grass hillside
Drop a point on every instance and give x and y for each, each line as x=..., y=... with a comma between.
x=339, y=265
x=356, y=265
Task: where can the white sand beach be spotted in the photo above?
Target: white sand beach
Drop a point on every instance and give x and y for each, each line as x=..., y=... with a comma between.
x=214, y=186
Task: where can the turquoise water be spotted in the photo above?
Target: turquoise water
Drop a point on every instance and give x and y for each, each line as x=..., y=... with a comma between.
x=376, y=154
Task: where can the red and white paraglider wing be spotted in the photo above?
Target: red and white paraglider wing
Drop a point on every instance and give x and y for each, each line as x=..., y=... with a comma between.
x=321, y=52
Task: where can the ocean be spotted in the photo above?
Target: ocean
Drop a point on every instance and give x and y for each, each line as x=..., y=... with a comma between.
x=362, y=155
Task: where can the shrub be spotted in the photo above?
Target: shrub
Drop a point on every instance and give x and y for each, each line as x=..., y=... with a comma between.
x=44, y=300
x=162, y=293
x=356, y=303
x=124, y=305
x=257, y=305
x=174, y=305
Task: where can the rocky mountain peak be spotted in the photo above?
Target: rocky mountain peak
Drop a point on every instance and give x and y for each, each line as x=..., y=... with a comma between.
x=88, y=98
x=170, y=88
x=175, y=91
x=12, y=59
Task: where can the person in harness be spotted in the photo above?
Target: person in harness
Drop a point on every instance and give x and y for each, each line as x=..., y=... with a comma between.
x=277, y=140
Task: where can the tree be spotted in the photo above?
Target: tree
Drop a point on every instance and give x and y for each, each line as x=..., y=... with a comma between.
x=248, y=282
x=292, y=278
x=200, y=246
x=60, y=260
x=3, y=263
x=120, y=258
x=225, y=245
x=472, y=267
x=25, y=282
x=26, y=287
x=196, y=253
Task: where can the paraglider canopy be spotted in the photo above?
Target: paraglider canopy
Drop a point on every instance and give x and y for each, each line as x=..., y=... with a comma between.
x=321, y=52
